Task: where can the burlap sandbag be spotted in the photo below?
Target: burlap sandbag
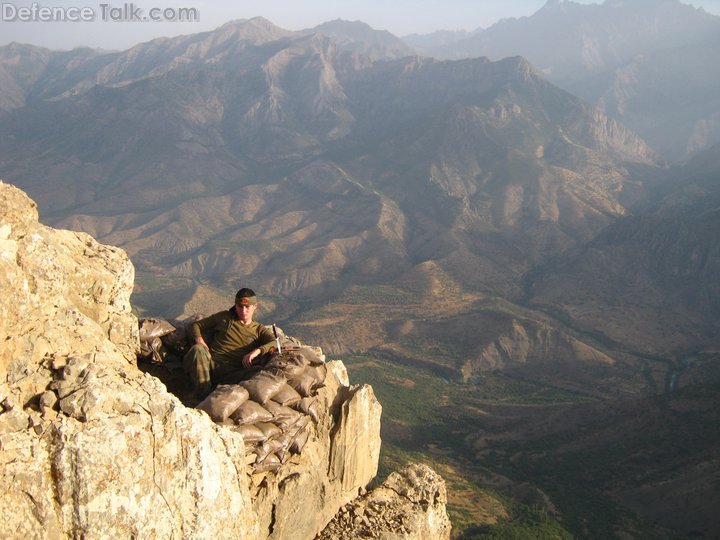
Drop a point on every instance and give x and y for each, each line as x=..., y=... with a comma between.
x=311, y=356
x=269, y=464
x=150, y=328
x=177, y=341
x=302, y=422
x=286, y=395
x=319, y=373
x=298, y=443
x=223, y=401
x=285, y=441
x=251, y=412
x=268, y=447
x=290, y=364
x=304, y=384
x=263, y=386
x=250, y=432
x=307, y=405
x=269, y=429
x=153, y=350
x=284, y=416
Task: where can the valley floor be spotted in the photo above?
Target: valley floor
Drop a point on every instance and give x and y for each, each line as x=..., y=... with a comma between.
x=526, y=460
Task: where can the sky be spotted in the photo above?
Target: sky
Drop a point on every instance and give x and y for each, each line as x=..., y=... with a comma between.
x=116, y=25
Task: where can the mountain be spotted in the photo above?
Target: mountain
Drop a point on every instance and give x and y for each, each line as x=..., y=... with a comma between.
x=650, y=280
x=250, y=156
x=357, y=36
x=354, y=195
x=645, y=63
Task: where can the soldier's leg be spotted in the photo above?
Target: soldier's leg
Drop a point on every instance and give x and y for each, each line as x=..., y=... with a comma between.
x=198, y=365
x=228, y=373
x=231, y=373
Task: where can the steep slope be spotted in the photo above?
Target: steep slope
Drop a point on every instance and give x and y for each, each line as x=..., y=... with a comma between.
x=650, y=281
x=250, y=154
x=493, y=167
x=265, y=146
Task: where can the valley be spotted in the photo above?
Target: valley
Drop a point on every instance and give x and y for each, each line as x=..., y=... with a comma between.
x=510, y=445
x=518, y=249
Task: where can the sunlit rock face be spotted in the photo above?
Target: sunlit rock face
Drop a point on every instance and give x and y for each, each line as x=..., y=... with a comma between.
x=409, y=505
x=92, y=447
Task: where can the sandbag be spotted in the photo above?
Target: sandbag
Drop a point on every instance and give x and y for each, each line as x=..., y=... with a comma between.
x=223, y=401
x=251, y=433
x=269, y=429
x=312, y=356
x=285, y=441
x=302, y=422
x=304, y=384
x=268, y=447
x=290, y=364
x=307, y=405
x=177, y=341
x=299, y=441
x=263, y=386
x=319, y=373
x=269, y=464
x=284, y=416
x=151, y=328
x=286, y=395
x=251, y=412
x=153, y=350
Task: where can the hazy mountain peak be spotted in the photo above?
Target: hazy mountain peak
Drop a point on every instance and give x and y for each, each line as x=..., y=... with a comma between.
x=257, y=29
x=342, y=25
x=357, y=36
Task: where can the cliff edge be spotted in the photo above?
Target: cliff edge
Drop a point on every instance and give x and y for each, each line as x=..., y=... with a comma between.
x=92, y=447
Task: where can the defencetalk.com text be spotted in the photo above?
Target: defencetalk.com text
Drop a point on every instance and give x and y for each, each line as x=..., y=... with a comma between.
x=127, y=12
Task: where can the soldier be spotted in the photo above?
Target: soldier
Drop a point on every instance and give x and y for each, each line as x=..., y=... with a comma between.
x=236, y=342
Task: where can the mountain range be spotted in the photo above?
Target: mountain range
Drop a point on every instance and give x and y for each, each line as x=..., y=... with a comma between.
x=464, y=216
x=647, y=63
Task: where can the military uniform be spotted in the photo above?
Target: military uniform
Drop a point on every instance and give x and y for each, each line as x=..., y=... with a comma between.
x=229, y=341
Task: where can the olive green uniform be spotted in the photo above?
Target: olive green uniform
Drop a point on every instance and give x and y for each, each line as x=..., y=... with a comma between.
x=229, y=342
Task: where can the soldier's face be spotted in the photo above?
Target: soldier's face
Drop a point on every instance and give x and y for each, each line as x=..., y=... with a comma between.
x=245, y=312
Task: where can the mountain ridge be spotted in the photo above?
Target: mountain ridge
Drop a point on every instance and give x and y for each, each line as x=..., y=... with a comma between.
x=638, y=61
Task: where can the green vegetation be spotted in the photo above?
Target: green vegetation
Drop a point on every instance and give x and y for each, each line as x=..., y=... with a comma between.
x=527, y=523
x=502, y=483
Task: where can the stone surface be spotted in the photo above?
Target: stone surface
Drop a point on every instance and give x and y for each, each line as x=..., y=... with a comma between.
x=409, y=505
x=92, y=447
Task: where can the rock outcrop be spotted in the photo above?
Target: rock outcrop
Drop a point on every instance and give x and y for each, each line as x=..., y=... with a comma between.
x=409, y=505
x=92, y=447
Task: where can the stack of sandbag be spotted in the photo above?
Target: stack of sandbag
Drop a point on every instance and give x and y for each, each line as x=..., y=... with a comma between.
x=151, y=344
x=163, y=340
x=274, y=409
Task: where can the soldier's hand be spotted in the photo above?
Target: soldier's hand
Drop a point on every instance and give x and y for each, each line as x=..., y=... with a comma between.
x=249, y=357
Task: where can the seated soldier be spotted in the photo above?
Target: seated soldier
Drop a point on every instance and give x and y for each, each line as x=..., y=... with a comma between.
x=236, y=342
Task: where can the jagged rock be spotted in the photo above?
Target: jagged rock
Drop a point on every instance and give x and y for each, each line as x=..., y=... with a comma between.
x=63, y=294
x=409, y=505
x=92, y=447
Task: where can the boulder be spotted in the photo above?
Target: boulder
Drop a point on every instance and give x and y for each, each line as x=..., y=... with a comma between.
x=409, y=505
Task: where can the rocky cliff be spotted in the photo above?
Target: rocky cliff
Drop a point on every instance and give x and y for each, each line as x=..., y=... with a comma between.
x=92, y=447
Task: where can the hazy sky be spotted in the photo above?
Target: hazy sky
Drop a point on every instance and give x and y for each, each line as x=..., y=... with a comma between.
x=401, y=17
